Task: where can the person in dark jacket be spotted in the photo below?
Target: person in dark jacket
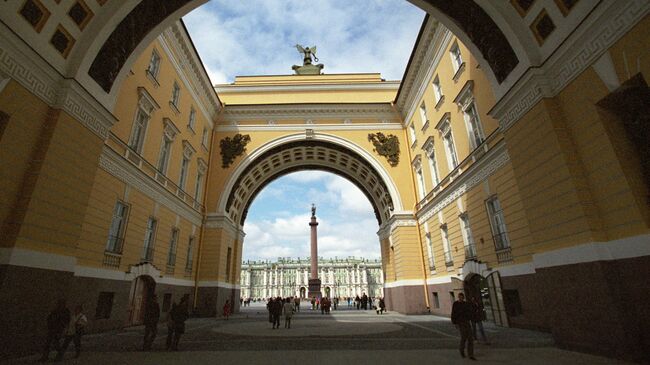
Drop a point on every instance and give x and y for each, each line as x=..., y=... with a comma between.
x=478, y=316
x=151, y=317
x=461, y=316
x=276, y=311
x=179, y=314
x=57, y=321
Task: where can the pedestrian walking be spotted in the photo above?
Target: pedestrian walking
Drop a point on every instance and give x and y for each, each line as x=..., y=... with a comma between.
x=478, y=316
x=296, y=303
x=382, y=306
x=179, y=314
x=287, y=310
x=276, y=311
x=461, y=316
x=226, y=309
x=377, y=306
x=151, y=317
x=57, y=321
x=73, y=332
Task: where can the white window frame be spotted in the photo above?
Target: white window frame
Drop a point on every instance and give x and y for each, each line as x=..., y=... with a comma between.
x=164, y=155
x=456, y=57
x=468, y=238
x=497, y=223
x=423, y=113
x=117, y=228
x=450, y=148
x=429, y=243
x=437, y=89
x=149, y=238
x=412, y=133
x=188, y=151
x=421, y=186
x=191, y=123
x=154, y=64
x=189, y=262
x=176, y=94
x=205, y=138
x=173, y=244
x=140, y=123
x=446, y=245
x=473, y=123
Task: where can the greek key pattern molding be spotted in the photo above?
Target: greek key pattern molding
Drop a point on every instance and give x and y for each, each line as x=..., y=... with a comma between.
x=29, y=70
x=614, y=19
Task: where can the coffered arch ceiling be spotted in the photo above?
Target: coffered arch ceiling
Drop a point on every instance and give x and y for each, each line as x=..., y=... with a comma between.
x=309, y=154
x=121, y=40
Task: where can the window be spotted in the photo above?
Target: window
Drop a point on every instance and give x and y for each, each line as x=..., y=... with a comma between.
x=206, y=136
x=149, y=237
x=433, y=166
x=497, y=223
x=452, y=296
x=139, y=130
x=104, y=305
x=456, y=57
x=437, y=89
x=154, y=64
x=448, y=139
x=173, y=242
x=420, y=178
x=436, y=300
x=423, y=114
x=185, y=164
x=116, y=231
x=165, y=151
x=468, y=239
x=190, y=253
x=429, y=243
x=176, y=94
x=446, y=245
x=198, y=187
x=192, y=121
x=473, y=125
x=412, y=133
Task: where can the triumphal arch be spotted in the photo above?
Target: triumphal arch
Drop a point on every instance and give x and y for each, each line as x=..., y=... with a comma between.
x=510, y=163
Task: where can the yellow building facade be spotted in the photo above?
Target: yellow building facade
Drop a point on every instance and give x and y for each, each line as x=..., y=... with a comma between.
x=508, y=163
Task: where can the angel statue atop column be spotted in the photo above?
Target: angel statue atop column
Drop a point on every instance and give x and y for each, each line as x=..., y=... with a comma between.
x=308, y=52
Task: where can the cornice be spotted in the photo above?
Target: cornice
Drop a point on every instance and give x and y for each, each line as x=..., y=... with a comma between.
x=22, y=64
x=379, y=111
x=605, y=25
x=428, y=54
x=494, y=159
x=313, y=127
x=224, y=222
x=401, y=219
x=125, y=171
x=383, y=86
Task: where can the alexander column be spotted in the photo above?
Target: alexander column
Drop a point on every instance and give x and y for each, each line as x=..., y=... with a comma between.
x=314, y=281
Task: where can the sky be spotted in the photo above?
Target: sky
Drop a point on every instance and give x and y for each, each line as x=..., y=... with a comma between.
x=258, y=37
x=277, y=224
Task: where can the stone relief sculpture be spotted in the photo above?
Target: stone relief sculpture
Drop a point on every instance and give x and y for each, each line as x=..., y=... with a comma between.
x=231, y=148
x=386, y=145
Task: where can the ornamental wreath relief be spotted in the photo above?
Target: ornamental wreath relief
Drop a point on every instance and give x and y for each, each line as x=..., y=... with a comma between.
x=231, y=148
x=386, y=145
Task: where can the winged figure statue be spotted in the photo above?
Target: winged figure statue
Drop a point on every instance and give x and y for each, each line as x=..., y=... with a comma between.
x=308, y=53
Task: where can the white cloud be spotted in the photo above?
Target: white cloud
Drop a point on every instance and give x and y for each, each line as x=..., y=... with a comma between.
x=258, y=36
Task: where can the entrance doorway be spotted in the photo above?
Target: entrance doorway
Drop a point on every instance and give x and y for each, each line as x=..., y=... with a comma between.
x=142, y=291
x=488, y=292
x=303, y=293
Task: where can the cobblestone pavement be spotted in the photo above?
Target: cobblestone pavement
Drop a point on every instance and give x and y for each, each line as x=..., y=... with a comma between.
x=348, y=335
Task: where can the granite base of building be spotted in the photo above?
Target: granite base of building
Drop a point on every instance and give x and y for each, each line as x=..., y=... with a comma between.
x=211, y=299
x=27, y=295
x=599, y=307
x=405, y=299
